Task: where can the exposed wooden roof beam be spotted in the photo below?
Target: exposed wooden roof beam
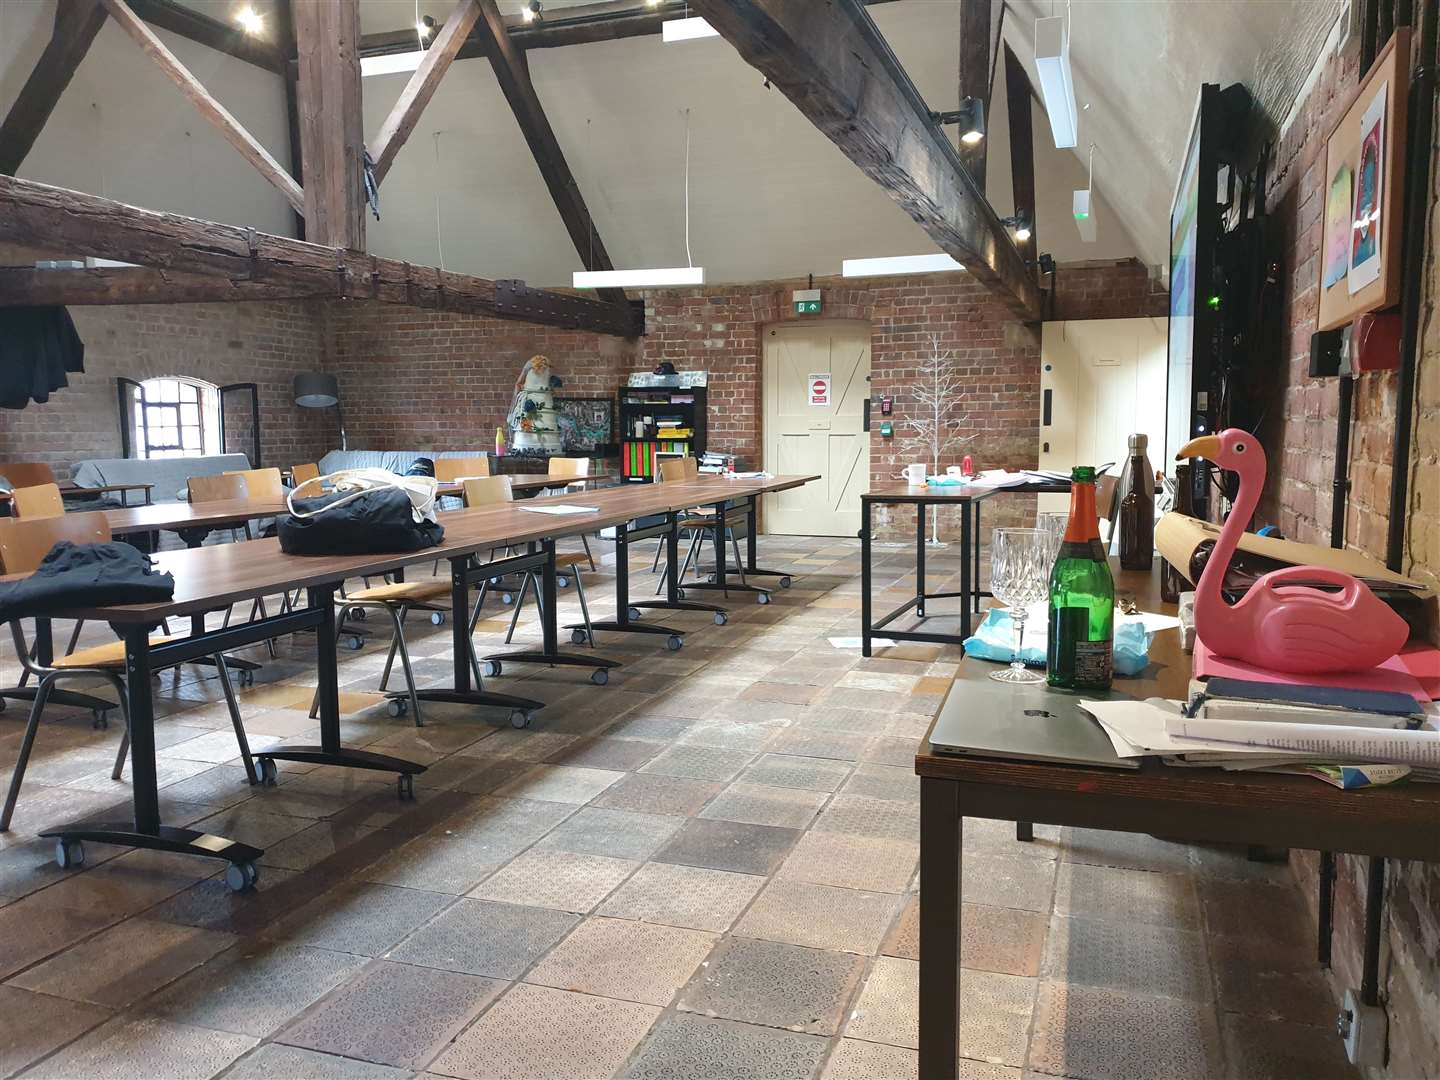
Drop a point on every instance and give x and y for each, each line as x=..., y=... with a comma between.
x=833, y=63
x=1022, y=144
x=76, y=24
x=973, y=76
x=199, y=27
x=25, y=287
x=584, y=23
x=405, y=113
x=514, y=78
x=49, y=218
x=332, y=133
x=210, y=108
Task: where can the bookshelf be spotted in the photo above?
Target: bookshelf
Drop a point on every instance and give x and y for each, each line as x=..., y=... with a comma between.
x=659, y=420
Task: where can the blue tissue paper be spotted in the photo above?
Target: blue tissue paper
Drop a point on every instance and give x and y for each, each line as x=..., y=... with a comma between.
x=994, y=639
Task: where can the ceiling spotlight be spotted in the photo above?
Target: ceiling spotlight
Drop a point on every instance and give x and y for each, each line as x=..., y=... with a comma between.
x=531, y=11
x=250, y=20
x=424, y=26
x=970, y=118
x=1020, y=223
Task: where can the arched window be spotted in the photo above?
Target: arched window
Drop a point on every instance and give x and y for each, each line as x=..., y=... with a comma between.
x=176, y=416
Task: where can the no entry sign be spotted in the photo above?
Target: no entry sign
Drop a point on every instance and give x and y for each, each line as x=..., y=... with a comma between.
x=820, y=388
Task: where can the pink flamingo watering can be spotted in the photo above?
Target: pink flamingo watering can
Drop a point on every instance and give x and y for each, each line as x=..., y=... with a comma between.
x=1283, y=623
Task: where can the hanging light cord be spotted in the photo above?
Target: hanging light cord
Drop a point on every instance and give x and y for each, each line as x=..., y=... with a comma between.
x=689, y=259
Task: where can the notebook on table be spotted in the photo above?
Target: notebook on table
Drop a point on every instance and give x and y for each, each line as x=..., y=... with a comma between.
x=984, y=718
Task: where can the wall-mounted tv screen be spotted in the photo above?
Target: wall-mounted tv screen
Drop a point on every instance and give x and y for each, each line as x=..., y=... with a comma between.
x=1194, y=230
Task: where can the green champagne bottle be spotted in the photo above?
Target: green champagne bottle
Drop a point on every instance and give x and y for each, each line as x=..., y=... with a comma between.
x=1082, y=598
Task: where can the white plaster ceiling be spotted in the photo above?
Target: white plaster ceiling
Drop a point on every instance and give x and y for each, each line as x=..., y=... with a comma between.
x=770, y=197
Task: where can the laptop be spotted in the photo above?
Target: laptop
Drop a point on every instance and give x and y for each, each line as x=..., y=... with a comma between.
x=984, y=718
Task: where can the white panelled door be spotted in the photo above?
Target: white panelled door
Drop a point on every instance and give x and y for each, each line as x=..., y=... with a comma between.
x=817, y=380
x=1101, y=381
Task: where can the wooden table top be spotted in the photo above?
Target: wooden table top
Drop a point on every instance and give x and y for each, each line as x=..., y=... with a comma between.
x=900, y=491
x=210, y=577
x=182, y=515
x=1192, y=803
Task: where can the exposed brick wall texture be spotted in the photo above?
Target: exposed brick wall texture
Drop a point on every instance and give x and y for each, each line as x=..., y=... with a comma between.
x=1300, y=437
x=1108, y=290
x=263, y=343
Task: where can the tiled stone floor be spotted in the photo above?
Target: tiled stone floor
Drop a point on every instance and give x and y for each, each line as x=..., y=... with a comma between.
x=705, y=869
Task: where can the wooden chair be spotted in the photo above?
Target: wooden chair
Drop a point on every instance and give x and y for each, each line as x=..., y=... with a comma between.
x=42, y=500
x=27, y=473
x=448, y=470
x=300, y=473
x=228, y=487
x=575, y=470
x=23, y=544
x=696, y=523
x=261, y=483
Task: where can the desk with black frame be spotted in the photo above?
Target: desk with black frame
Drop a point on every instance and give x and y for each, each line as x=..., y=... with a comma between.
x=1183, y=804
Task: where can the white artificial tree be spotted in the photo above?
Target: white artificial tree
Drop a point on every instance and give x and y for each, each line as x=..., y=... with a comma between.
x=934, y=432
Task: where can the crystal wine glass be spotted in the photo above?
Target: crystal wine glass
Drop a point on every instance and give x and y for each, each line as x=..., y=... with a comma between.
x=1053, y=523
x=1020, y=564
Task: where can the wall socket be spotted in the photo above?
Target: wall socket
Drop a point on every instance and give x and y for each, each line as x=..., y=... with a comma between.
x=1363, y=1028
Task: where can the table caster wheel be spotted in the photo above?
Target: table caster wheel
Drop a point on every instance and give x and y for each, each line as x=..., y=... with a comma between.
x=562, y=582
x=519, y=719
x=784, y=583
x=673, y=642
x=633, y=613
x=577, y=637
x=354, y=642
x=710, y=578
x=600, y=676
x=69, y=853
x=269, y=772
x=490, y=668
x=437, y=618
x=101, y=721
x=2, y=704
x=721, y=618
x=359, y=614
x=241, y=876
x=247, y=678
x=397, y=706
x=507, y=598
x=680, y=594
x=762, y=598
x=405, y=787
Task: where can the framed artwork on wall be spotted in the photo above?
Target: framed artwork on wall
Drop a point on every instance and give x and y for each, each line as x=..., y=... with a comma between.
x=1364, y=188
x=586, y=424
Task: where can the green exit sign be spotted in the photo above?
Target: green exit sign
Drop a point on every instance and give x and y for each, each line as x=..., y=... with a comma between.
x=807, y=307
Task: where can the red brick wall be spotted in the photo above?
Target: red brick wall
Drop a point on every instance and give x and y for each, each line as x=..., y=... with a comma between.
x=413, y=379
x=264, y=343
x=1300, y=438
x=1108, y=290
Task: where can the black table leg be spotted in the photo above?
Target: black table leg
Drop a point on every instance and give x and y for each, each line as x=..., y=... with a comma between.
x=920, y=560
x=975, y=607
x=721, y=582
x=145, y=829
x=461, y=692
x=941, y=833
x=330, y=752
x=623, y=623
x=968, y=599
x=865, y=575
x=549, y=653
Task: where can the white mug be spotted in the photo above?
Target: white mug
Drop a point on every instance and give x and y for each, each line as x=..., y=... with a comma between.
x=915, y=474
x=954, y=470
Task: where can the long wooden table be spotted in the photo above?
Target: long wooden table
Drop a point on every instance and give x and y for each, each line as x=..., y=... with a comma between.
x=207, y=578
x=1184, y=804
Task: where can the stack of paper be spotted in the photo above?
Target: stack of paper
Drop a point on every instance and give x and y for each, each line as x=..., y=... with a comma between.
x=1159, y=727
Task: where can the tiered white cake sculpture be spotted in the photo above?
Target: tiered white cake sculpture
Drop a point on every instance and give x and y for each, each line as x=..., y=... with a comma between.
x=533, y=421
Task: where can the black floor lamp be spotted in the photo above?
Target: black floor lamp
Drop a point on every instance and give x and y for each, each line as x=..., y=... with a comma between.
x=316, y=390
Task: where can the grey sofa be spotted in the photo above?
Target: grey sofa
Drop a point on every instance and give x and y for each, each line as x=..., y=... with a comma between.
x=167, y=474
x=396, y=461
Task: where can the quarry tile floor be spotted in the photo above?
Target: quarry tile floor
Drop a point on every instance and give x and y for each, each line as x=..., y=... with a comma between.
x=706, y=868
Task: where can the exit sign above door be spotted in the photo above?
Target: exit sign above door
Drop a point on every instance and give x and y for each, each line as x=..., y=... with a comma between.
x=807, y=301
